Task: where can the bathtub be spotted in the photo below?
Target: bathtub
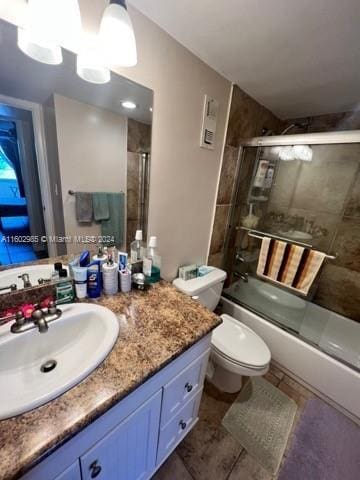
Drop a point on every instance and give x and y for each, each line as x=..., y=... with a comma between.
x=325, y=375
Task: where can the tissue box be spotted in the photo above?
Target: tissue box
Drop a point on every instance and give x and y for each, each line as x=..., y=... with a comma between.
x=188, y=272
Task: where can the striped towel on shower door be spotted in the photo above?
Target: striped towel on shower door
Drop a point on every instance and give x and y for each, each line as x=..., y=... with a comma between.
x=289, y=265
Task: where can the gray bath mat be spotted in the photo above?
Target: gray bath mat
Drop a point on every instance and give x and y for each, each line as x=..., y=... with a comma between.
x=261, y=419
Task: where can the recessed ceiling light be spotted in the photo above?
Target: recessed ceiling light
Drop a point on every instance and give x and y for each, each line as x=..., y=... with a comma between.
x=128, y=104
x=150, y=109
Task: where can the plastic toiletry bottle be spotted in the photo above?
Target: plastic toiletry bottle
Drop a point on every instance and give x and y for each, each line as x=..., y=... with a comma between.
x=137, y=247
x=115, y=254
x=94, y=280
x=269, y=177
x=110, y=276
x=74, y=262
x=152, y=262
x=64, y=292
x=100, y=256
x=125, y=280
x=80, y=279
x=261, y=173
x=84, y=259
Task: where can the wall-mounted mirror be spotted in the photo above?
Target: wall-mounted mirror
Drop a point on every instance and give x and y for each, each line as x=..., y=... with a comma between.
x=74, y=161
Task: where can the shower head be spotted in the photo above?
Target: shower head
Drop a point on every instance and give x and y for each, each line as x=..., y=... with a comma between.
x=266, y=132
x=304, y=124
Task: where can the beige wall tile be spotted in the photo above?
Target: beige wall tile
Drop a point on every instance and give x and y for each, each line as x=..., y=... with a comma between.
x=139, y=136
x=216, y=260
x=339, y=290
x=227, y=175
x=347, y=245
x=324, y=183
x=219, y=229
x=267, y=120
x=132, y=204
x=353, y=205
x=133, y=186
x=284, y=184
x=243, y=118
x=132, y=226
x=328, y=123
x=248, y=118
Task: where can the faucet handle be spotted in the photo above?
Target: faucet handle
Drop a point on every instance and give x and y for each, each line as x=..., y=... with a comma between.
x=20, y=318
x=37, y=315
x=52, y=308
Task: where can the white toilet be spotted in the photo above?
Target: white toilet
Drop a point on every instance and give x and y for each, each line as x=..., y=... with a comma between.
x=236, y=350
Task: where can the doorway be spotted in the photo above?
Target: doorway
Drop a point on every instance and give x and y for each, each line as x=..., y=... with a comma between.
x=22, y=224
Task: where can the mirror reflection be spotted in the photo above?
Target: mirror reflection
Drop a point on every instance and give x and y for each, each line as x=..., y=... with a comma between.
x=74, y=157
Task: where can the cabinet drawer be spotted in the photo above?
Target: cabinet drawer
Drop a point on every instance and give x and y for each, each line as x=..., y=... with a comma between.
x=178, y=427
x=183, y=387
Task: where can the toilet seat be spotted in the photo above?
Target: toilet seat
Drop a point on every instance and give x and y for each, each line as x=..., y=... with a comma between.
x=236, y=362
x=237, y=344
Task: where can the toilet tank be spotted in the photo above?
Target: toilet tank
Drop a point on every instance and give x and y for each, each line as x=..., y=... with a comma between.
x=207, y=289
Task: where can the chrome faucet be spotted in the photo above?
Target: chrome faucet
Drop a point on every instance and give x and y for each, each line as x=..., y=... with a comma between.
x=12, y=288
x=40, y=319
x=243, y=276
x=26, y=279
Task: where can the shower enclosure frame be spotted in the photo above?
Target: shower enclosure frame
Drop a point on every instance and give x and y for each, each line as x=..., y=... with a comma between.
x=323, y=138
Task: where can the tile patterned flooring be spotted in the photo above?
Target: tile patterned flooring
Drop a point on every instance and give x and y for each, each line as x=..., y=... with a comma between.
x=209, y=452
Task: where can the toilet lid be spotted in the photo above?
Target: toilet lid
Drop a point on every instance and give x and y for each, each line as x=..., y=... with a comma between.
x=238, y=342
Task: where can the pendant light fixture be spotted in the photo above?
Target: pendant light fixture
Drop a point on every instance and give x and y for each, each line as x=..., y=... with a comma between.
x=90, y=62
x=117, y=36
x=49, y=24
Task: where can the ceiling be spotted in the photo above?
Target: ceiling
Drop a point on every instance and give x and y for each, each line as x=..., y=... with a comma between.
x=33, y=81
x=296, y=57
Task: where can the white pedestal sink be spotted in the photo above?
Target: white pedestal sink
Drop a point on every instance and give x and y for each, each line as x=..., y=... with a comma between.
x=71, y=349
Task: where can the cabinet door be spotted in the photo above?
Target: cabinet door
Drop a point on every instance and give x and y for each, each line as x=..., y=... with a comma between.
x=71, y=473
x=129, y=451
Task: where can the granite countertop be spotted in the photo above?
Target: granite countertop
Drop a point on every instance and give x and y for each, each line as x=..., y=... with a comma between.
x=155, y=327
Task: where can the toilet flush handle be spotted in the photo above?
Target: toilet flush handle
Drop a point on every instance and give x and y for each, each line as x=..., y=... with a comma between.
x=195, y=297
